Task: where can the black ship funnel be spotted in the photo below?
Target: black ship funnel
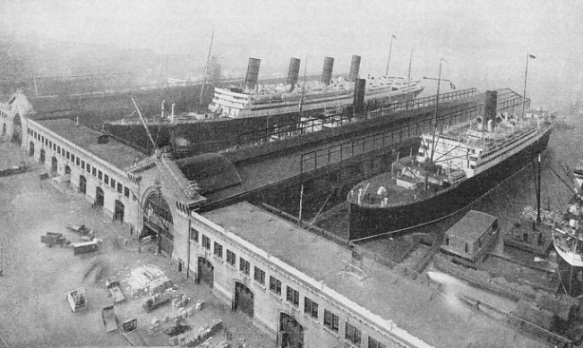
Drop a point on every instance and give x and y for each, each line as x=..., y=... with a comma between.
x=293, y=72
x=354, y=68
x=359, y=90
x=327, y=71
x=252, y=73
x=490, y=109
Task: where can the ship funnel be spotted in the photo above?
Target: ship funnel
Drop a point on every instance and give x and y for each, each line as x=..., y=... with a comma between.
x=354, y=68
x=359, y=89
x=293, y=72
x=252, y=73
x=327, y=71
x=490, y=110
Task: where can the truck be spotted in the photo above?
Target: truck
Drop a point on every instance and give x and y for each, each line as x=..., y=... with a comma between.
x=77, y=300
x=53, y=238
x=115, y=291
x=85, y=247
x=129, y=330
x=156, y=301
x=109, y=318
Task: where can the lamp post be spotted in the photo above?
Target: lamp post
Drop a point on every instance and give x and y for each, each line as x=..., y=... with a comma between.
x=528, y=55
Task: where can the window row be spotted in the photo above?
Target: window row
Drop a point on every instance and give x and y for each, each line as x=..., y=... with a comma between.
x=330, y=321
x=121, y=189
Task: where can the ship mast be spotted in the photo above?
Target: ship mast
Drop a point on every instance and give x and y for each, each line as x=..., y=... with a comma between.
x=434, y=122
x=434, y=126
x=303, y=92
x=389, y=60
x=409, y=78
x=205, y=71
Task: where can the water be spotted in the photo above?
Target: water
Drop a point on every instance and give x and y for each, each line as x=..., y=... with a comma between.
x=509, y=199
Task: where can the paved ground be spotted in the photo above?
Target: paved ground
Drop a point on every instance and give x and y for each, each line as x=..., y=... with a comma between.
x=33, y=307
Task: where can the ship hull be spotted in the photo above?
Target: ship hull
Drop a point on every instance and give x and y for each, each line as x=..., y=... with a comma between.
x=571, y=276
x=372, y=220
x=213, y=135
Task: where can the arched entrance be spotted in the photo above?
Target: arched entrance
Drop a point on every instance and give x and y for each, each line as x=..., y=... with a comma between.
x=54, y=163
x=16, y=130
x=82, y=184
x=291, y=333
x=42, y=156
x=243, y=299
x=206, y=272
x=99, y=197
x=158, y=221
x=31, y=149
x=119, y=211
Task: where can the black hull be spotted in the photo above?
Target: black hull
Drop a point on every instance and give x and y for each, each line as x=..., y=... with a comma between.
x=369, y=221
x=213, y=135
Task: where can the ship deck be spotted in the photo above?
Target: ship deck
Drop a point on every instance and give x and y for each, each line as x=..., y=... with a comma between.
x=392, y=187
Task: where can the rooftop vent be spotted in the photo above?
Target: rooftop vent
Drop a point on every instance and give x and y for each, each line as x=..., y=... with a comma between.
x=103, y=139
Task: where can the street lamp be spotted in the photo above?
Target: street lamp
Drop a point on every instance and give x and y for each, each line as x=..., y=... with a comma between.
x=528, y=55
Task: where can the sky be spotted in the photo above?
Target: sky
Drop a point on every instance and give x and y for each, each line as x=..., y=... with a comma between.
x=484, y=43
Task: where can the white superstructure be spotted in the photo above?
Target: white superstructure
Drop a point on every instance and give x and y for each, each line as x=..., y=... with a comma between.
x=473, y=147
x=266, y=100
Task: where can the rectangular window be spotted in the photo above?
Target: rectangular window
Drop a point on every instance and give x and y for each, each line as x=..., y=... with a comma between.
x=99, y=175
x=94, y=171
x=42, y=139
x=206, y=243
x=231, y=258
x=82, y=164
x=330, y=320
x=126, y=192
x=59, y=150
x=106, y=179
x=259, y=275
x=73, y=158
x=352, y=334
x=274, y=285
x=88, y=168
x=112, y=183
x=54, y=147
x=193, y=234
x=68, y=154
x=119, y=188
x=292, y=296
x=310, y=307
x=372, y=343
x=244, y=266
x=218, y=250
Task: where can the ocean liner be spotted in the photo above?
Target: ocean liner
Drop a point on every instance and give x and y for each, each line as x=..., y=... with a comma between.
x=326, y=95
x=450, y=171
x=252, y=109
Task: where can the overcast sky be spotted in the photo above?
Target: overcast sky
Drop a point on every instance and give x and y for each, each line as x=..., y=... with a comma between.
x=485, y=43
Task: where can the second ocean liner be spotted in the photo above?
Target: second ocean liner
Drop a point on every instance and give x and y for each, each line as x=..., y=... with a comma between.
x=451, y=171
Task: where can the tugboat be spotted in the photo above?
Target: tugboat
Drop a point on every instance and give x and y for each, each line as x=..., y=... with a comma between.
x=568, y=242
